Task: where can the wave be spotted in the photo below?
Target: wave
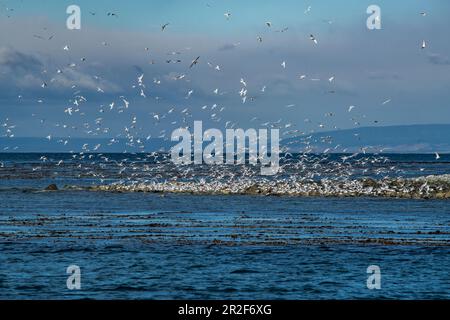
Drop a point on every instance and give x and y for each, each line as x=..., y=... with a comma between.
x=427, y=187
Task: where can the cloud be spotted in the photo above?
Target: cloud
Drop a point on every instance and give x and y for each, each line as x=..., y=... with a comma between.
x=20, y=70
x=438, y=59
x=228, y=46
x=383, y=75
x=17, y=62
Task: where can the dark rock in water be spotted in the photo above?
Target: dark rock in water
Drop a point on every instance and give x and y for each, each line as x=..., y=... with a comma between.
x=52, y=187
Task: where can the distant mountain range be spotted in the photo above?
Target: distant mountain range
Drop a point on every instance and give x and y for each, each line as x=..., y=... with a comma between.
x=390, y=139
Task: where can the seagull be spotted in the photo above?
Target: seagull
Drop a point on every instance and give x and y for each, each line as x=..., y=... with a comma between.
x=269, y=24
x=227, y=15
x=194, y=62
x=283, y=64
x=351, y=108
x=386, y=102
x=140, y=79
x=313, y=39
x=437, y=156
x=164, y=26
x=127, y=103
x=424, y=45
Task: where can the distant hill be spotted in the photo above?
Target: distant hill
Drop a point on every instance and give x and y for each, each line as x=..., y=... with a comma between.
x=391, y=139
x=56, y=145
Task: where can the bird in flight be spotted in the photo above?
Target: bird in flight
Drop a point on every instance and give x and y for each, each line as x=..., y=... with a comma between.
x=194, y=62
x=164, y=26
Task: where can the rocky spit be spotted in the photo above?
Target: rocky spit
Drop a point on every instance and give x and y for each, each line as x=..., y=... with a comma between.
x=429, y=187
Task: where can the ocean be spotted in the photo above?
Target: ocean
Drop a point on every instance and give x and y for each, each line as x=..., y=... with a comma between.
x=139, y=227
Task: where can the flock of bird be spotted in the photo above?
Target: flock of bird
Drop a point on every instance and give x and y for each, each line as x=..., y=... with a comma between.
x=128, y=170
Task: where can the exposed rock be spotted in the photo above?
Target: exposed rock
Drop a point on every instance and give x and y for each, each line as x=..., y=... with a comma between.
x=52, y=187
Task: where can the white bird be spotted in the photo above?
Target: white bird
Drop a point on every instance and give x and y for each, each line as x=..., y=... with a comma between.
x=313, y=39
x=437, y=156
x=127, y=103
x=140, y=79
x=351, y=108
x=424, y=45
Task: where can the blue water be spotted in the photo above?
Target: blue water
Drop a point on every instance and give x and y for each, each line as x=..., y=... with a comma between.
x=188, y=246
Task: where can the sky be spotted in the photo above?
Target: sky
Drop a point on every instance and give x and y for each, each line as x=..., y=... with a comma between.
x=384, y=74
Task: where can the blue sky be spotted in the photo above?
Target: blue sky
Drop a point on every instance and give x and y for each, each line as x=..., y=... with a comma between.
x=383, y=73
